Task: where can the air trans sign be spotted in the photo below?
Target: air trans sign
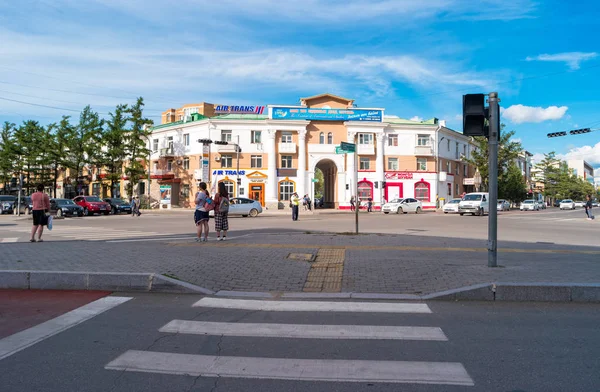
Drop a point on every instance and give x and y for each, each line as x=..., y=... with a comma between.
x=226, y=109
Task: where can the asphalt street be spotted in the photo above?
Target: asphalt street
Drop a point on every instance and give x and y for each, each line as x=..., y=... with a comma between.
x=150, y=343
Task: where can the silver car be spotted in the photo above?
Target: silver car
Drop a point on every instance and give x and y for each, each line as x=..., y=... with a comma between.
x=244, y=207
x=503, y=205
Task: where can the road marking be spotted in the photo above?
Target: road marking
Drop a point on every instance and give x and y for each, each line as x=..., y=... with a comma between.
x=27, y=338
x=313, y=306
x=10, y=239
x=447, y=373
x=304, y=331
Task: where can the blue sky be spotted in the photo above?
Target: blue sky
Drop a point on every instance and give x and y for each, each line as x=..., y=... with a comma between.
x=414, y=58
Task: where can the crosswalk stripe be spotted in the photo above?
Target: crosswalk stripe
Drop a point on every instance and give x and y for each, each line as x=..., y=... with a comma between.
x=313, y=306
x=370, y=332
x=11, y=239
x=449, y=373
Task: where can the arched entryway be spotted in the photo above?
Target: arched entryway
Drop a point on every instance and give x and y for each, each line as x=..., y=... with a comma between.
x=329, y=182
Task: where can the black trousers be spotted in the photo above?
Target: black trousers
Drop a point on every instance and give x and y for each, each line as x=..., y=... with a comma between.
x=295, y=212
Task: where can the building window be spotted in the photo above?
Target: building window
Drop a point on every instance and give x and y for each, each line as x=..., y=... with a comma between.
x=141, y=188
x=465, y=150
x=286, y=188
x=448, y=145
x=393, y=140
x=448, y=167
x=229, y=186
x=421, y=164
x=168, y=118
x=286, y=137
x=96, y=189
x=365, y=138
x=170, y=143
x=457, y=170
x=457, y=190
x=255, y=137
x=286, y=161
x=465, y=170
x=256, y=161
x=422, y=191
x=169, y=165
x=186, y=163
x=180, y=118
x=330, y=138
x=392, y=163
x=187, y=112
x=185, y=190
x=321, y=138
x=225, y=136
x=365, y=191
x=365, y=163
x=226, y=161
x=186, y=139
x=456, y=152
x=422, y=140
x=155, y=145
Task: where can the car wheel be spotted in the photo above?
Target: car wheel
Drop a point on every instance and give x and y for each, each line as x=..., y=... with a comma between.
x=113, y=211
x=244, y=216
x=59, y=213
x=399, y=210
x=445, y=212
x=386, y=213
x=418, y=210
x=80, y=214
x=254, y=213
x=461, y=214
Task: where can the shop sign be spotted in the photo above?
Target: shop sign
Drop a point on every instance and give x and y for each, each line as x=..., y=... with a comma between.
x=229, y=172
x=399, y=175
x=287, y=113
x=205, y=162
x=165, y=194
x=468, y=181
x=227, y=109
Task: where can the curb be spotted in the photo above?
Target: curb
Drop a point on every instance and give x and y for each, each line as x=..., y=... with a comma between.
x=157, y=283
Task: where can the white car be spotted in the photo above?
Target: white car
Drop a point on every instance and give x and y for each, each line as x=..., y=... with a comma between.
x=403, y=205
x=503, y=205
x=476, y=203
x=451, y=206
x=567, y=204
x=579, y=204
x=529, y=205
x=541, y=204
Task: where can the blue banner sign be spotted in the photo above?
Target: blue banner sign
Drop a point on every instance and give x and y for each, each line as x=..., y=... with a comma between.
x=229, y=173
x=286, y=113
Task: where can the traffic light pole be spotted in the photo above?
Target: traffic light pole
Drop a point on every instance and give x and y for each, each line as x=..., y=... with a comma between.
x=355, y=174
x=494, y=121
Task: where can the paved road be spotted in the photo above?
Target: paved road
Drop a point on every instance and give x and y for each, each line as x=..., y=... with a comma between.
x=190, y=343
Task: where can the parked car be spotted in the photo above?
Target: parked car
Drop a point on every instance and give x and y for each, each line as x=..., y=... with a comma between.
x=557, y=203
x=26, y=205
x=92, y=205
x=567, y=204
x=403, y=206
x=476, y=203
x=118, y=205
x=529, y=205
x=7, y=204
x=451, y=206
x=541, y=204
x=579, y=204
x=65, y=207
x=319, y=202
x=503, y=205
x=595, y=204
x=242, y=206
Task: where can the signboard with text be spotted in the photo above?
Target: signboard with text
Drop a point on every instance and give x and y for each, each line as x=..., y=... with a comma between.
x=205, y=162
x=165, y=194
x=398, y=175
x=291, y=113
x=229, y=109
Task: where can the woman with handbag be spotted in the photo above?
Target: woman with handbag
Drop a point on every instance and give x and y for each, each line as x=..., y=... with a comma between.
x=203, y=205
x=40, y=206
x=221, y=212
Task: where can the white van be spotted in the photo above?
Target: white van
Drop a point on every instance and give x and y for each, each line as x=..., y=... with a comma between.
x=476, y=203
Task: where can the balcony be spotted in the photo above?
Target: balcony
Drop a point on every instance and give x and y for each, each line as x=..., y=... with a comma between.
x=424, y=151
x=366, y=149
x=287, y=148
x=166, y=152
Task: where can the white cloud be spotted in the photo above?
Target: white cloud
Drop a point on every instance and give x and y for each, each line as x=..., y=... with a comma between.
x=537, y=158
x=572, y=59
x=516, y=140
x=519, y=114
x=590, y=154
x=416, y=118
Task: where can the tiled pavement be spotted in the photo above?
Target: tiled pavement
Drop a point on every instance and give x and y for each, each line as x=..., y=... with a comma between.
x=406, y=264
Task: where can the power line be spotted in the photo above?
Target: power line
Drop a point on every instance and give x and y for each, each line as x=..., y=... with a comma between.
x=43, y=106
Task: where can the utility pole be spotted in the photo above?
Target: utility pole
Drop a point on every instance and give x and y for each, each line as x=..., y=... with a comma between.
x=494, y=121
x=239, y=181
x=355, y=174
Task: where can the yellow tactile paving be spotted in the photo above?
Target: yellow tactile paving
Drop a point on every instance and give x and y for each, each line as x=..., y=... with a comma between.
x=325, y=274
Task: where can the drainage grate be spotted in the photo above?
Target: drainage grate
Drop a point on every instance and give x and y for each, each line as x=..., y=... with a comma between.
x=301, y=256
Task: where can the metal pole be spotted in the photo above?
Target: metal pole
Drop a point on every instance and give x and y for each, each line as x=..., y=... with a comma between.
x=494, y=120
x=356, y=200
x=237, y=149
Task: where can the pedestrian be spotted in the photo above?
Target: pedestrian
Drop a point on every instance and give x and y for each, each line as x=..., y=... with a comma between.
x=308, y=202
x=295, y=204
x=352, y=207
x=370, y=205
x=40, y=206
x=203, y=206
x=134, y=207
x=304, y=202
x=221, y=212
x=588, y=208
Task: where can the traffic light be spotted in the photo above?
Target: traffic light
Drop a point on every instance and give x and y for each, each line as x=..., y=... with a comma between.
x=376, y=184
x=204, y=141
x=220, y=142
x=580, y=131
x=557, y=134
x=474, y=115
x=383, y=184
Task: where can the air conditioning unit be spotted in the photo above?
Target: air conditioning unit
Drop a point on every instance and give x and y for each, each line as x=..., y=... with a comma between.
x=218, y=158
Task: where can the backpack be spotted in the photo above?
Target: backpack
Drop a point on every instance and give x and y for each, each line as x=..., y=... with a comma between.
x=223, y=205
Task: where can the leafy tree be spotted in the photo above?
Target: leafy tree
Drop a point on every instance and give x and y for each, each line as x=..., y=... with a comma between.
x=549, y=168
x=8, y=155
x=115, y=151
x=136, y=140
x=513, y=186
x=319, y=185
x=508, y=151
x=30, y=148
x=58, y=148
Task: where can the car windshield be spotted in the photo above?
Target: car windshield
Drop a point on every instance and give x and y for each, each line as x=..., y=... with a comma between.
x=529, y=201
x=454, y=201
x=472, y=197
x=92, y=198
x=64, y=202
x=501, y=201
x=118, y=201
x=567, y=201
x=396, y=201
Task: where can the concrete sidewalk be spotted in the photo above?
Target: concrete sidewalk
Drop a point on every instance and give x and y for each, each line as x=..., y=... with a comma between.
x=311, y=265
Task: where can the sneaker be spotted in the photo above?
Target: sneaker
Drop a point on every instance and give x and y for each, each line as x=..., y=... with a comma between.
x=197, y=239
x=204, y=239
x=220, y=239
x=224, y=238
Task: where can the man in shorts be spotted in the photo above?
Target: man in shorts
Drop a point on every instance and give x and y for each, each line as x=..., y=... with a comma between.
x=40, y=205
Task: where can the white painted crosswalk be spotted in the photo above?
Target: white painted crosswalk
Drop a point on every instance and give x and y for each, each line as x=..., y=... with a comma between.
x=84, y=233
x=403, y=370
x=9, y=239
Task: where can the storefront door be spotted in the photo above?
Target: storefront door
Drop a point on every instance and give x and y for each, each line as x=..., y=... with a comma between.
x=257, y=192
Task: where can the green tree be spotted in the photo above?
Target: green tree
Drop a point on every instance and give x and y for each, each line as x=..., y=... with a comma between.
x=58, y=144
x=135, y=141
x=513, y=186
x=320, y=184
x=508, y=151
x=30, y=148
x=115, y=151
x=8, y=155
x=549, y=167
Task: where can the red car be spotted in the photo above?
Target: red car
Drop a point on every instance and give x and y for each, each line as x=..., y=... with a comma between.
x=92, y=205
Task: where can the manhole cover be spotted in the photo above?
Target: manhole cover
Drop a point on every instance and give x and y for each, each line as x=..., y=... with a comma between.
x=301, y=256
